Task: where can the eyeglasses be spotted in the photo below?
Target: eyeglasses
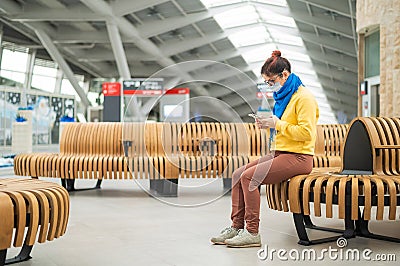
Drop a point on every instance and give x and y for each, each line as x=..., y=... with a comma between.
x=271, y=82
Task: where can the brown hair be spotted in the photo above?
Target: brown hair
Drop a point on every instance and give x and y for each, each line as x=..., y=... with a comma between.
x=275, y=64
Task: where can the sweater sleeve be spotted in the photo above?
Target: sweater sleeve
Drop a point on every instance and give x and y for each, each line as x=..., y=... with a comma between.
x=307, y=115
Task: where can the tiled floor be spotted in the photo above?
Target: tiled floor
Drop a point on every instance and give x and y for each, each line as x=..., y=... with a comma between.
x=121, y=225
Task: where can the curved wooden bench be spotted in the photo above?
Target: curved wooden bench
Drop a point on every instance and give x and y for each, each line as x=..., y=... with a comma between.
x=161, y=152
x=369, y=178
x=42, y=207
x=328, y=145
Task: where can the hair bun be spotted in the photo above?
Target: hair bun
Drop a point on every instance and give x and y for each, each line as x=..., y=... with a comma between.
x=276, y=53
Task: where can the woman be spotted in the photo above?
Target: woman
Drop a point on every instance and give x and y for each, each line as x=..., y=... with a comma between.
x=293, y=132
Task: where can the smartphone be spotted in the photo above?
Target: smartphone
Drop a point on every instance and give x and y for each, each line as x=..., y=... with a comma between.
x=254, y=116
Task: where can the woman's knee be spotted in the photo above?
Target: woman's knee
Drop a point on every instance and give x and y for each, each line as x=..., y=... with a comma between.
x=238, y=172
x=247, y=175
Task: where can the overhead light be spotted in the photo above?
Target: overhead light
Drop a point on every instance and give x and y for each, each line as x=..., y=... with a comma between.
x=152, y=12
x=331, y=13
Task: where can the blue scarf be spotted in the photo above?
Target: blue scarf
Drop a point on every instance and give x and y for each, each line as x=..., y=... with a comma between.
x=283, y=96
x=282, y=99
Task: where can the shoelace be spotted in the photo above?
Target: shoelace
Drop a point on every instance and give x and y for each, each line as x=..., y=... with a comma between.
x=227, y=230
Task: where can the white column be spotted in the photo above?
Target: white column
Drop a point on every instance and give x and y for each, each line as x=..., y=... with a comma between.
x=59, y=78
x=122, y=63
x=57, y=57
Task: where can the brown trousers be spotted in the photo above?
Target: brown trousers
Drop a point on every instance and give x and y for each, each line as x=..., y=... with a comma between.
x=270, y=169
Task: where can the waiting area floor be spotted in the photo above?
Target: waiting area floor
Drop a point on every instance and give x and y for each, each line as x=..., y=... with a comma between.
x=122, y=225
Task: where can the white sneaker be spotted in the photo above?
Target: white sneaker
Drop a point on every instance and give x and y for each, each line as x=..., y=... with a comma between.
x=244, y=239
x=225, y=234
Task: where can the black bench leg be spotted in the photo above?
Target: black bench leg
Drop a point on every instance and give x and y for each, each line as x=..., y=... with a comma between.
x=310, y=225
x=164, y=187
x=227, y=185
x=63, y=183
x=23, y=255
x=362, y=230
x=69, y=185
x=3, y=255
x=300, y=224
x=98, y=183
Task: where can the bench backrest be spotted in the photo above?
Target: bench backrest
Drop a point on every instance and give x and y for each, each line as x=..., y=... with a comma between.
x=372, y=146
x=160, y=139
x=328, y=145
x=92, y=138
x=330, y=139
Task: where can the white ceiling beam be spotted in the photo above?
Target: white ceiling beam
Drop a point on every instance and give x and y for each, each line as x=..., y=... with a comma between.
x=343, y=45
x=298, y=65
x=348, y=100
x=343, y=87
x=340, y=76
x=220, y=56
x=57, y=57
x=176, y=47
x=124, y=7
x=74, y=36
x=271, y=8
x=51, y=3
x=126, y=28
x=300, y=71
x=349, y=63
x=338, y=105
x=138, y=70
x=158, y=27
x=80, y=13
x=275, y=28
x=104, y=54
x=218, y=74
x=244, y=87
x=154, y=28
x=10, y=7
x=281, y=46
x=118, y=50
x=338, y=6
x=338, y=26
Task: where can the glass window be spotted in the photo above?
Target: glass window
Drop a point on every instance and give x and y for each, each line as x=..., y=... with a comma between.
x=44, y=78
x=13, y=65
x=372, y=55
x=67, y=88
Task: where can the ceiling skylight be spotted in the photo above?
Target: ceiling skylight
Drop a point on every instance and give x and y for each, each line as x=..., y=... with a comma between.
x=273, y=29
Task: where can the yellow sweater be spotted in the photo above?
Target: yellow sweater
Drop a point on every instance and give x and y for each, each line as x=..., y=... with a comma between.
x=297, y=130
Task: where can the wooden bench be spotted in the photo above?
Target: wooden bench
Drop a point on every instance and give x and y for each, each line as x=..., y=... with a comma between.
x=41, y=207
x=369, y=177
x=327, y=158
x=330, y=139
x=161, y=152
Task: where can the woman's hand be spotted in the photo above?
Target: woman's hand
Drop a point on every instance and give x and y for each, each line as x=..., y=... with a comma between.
x=269, y=122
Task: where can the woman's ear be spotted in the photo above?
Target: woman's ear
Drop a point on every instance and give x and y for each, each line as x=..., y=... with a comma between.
x=285, y=74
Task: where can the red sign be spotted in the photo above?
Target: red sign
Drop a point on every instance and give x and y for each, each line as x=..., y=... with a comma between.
x=178, y=91
x=111, y=88
x=143, y=92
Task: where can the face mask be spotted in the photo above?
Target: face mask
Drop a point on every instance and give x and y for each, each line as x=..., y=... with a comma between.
x=276, y=87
